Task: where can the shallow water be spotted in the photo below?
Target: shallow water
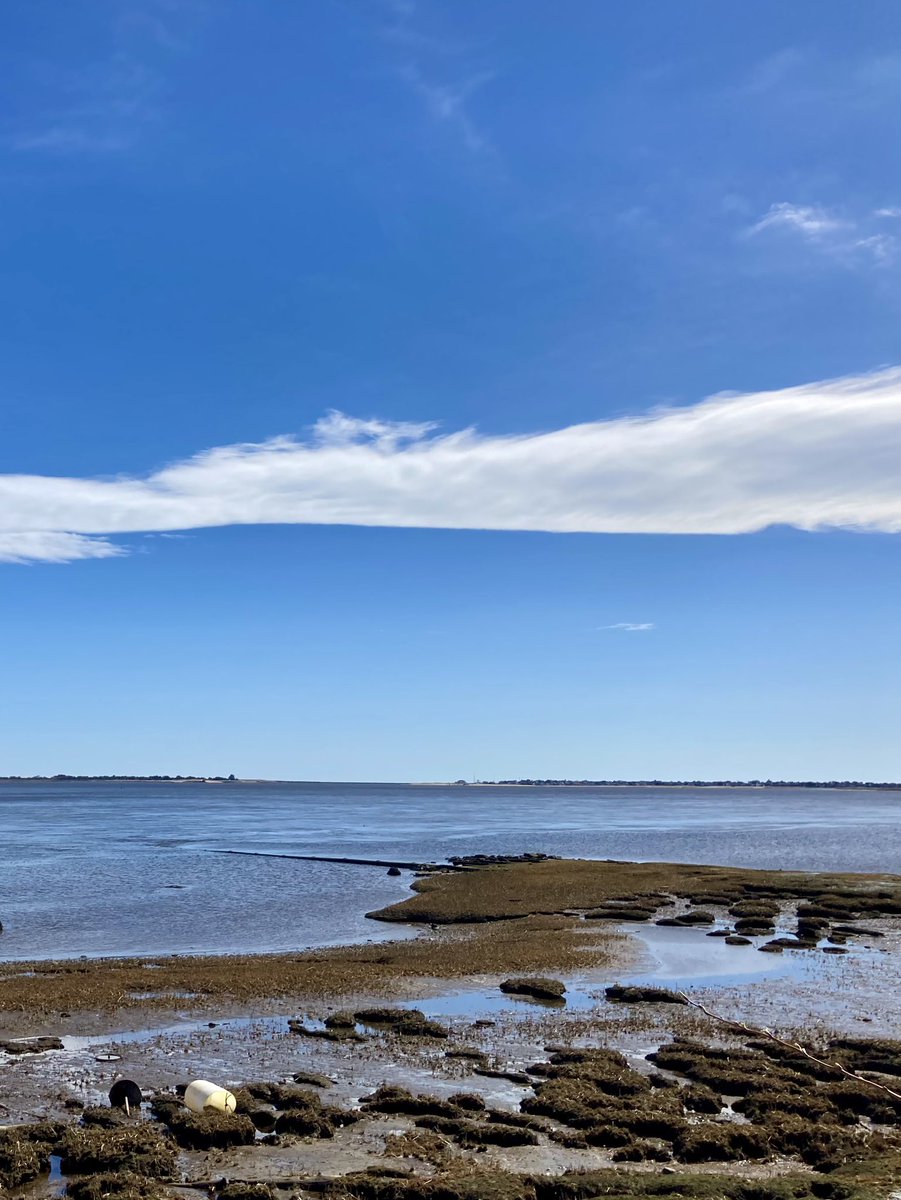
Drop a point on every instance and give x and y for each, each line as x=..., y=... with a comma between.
x=127, y=868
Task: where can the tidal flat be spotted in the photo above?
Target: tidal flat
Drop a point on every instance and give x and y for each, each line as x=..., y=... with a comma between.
x=401, y=1069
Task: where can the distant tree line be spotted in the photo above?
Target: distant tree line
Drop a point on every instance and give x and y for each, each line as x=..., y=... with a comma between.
x=122, y=778
x=724, y=783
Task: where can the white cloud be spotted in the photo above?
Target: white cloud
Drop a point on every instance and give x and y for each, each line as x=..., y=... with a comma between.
x=448, y=102
x=810, y=221
x=631, y=626
x=841, y=238
x=817, y=456
x=51, y=546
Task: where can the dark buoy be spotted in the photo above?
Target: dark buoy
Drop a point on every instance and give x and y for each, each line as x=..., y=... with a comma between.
x=126, y=1094
x=394, y=870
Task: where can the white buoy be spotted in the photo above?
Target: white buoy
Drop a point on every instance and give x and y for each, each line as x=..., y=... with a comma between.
x=202, y=1094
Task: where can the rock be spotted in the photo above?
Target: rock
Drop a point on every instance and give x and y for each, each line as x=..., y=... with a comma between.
x=718, y=933
x=851, y=930
x=834, y=950
x=697, y=916
x=264, y=1118
x=407, y=1022
x=619, y=914
x=36, y=1045
x=790, y=943
x=735, y=939
x=312, y=1079
x=519, y=1077
x=536, y=986
x=642, y=995
x=340, y=1020
x=754, y=927
x=769, y=948
x=394, y=870
x=494, y=860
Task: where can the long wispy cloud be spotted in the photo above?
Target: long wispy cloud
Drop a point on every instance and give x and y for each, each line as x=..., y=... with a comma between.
x=818, y=456
x=852, y=240
x=631, y=626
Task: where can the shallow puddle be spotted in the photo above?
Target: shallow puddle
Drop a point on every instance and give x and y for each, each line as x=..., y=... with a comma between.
x=686, y=957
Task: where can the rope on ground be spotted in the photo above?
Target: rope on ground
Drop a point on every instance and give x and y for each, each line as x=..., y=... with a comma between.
x=762, y=1031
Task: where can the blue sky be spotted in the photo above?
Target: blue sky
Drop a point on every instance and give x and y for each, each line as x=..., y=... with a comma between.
x=559, y=231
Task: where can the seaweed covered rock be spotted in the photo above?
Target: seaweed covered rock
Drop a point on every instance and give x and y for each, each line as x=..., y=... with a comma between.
x=468, y=1101
x=697, y=1097
x=210, y=1129
x=245, y=1191
x=470, y=1134
x=720, y=1141
x=642, y=1150
x=821, y=1144
x=116, y=1185
x=305, y=1122
x=142, y=1150
x=35, y=1045
x=407, y=1022
x=312, y=1079
x=696, y=916
x=536, y=986
x=20, y=1159
x=868, y=1054
x=340, y=1020
x=727, y=1071
x=754, y=927
x=763, y=909
x=391, y=1099
x=279, y=1095
x=340, y=1033
x=585, y=1088
x=643, y=995
x=614, y=912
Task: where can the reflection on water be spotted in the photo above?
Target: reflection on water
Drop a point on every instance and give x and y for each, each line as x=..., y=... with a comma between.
x=119, y=868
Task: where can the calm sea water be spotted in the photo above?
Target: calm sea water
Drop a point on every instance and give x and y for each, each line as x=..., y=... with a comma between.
x=116, y=868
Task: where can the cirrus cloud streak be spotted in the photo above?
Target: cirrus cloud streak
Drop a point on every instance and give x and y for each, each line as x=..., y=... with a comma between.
x=823, y=455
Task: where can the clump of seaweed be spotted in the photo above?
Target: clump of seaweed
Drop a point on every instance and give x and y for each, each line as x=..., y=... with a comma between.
x=141, y=1150
x=392, y=1099
x=407, y=1022
x=245, y=1191
x=20, y=1159
x=613, y=912
x=720, y=1141
x=642, y=995
x=536, y=986
x=697, y=1097
x=470, y=1134
x=115, y=1185
x=210, y=1129
x=468, y=1101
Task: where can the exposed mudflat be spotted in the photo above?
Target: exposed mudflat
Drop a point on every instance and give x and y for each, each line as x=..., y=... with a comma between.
x=240, y=1021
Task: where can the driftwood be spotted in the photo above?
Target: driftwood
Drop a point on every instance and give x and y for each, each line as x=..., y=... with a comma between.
x=762, y=1031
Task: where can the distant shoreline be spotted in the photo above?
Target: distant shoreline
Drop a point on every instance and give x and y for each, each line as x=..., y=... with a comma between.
x=750, y=785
